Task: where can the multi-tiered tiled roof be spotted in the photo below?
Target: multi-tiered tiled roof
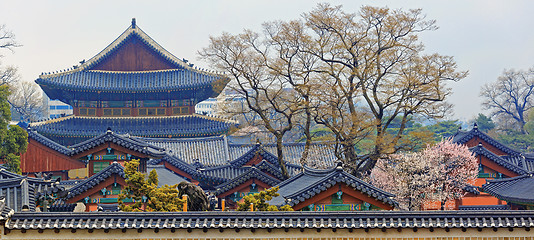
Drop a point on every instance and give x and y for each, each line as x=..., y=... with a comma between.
x=133, y=86
x=511, y=159
x=113, y=169
x=111, y=75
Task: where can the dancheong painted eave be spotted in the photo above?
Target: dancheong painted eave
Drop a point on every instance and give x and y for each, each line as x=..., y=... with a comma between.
x=172, y=75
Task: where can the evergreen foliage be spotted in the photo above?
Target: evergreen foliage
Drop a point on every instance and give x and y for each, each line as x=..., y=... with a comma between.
x=259, y=201
x=146, y=194
x=484, y=123
x=13, y=139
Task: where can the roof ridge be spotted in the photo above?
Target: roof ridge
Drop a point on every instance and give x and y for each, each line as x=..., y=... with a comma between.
x=494, y=157
x=115, y=167
x=60, y=119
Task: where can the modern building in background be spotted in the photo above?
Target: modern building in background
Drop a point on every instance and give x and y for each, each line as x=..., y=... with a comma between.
x=206, y=107
x=56, y=108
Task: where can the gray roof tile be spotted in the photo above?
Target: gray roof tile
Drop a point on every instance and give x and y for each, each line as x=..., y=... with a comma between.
x=517, y=189
x=275, y=220
x=114, y=168
x=311, y=182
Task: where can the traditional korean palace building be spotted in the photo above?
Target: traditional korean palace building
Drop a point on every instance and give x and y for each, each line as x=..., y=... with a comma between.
x=505, y=175
x=133, y=86
x=135, y=100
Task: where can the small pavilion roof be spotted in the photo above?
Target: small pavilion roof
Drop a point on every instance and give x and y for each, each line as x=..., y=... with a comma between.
x=256, y=149
x=113, y=168
x=462, y=137
x=18, y=193
x=311, y=182
x=21, y=190
x=511, y=163
x=518, y=190
x=121, y=140
x=251, y=173
x=38, y=183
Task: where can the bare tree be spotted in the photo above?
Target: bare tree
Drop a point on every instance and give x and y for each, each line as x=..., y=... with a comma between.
x=264, y=93
x=7, y=41
x=511, y=96
x=8, y=75
x=373, y=65
x=272, y=75
x=7, y=38
x=353, y=73
x=26, y=98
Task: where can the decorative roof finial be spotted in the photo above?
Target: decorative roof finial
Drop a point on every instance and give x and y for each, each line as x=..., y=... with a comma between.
x=133, y=22
x=339, y=165
x=475, y=126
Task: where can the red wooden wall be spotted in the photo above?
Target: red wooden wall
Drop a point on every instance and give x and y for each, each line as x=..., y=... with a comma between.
x=133, y=56
x=39, y=158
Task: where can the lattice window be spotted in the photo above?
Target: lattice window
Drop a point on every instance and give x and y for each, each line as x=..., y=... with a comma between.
x=99, y=166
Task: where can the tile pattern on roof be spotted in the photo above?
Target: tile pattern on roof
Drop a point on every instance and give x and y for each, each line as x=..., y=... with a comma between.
x=38, y=183
x=165, y=176
x=34, y=135
x=6, y=212
x=121, y=140
x=64, y=130
x=311, y=182
x=506, y=162
x=483, y=207
x=209, y=151
x=21, y=190
x=517, y=189
x=17, y=193
x=144, y=81
x=251, y=173
x=462, y=137
x=274, y=220
x=114, y=168
x=216, y=151
x=529, y=161
x=256, y=149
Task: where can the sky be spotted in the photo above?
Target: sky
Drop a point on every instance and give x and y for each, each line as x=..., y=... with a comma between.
x=484, y=36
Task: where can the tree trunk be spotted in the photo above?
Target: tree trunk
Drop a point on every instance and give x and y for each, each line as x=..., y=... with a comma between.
x=280, y=155
x=307, y=125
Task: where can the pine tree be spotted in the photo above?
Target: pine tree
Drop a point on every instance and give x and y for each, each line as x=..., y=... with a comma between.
x=147, y=196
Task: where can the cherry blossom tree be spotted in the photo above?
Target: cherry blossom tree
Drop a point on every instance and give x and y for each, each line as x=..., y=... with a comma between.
x=458, y=167
x=439, y=173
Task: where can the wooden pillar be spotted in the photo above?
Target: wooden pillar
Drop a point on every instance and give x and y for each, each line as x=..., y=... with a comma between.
x=184, y=197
